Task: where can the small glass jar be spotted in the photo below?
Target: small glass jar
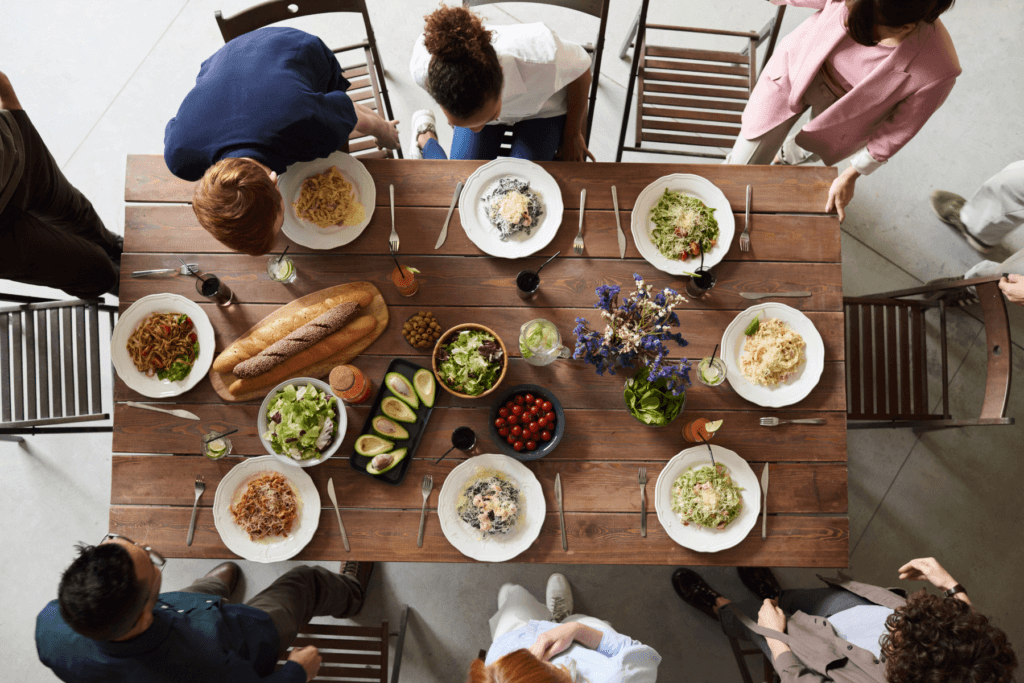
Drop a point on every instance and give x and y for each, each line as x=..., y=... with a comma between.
x=217, y=448
x=281, y=269
x=711, y=371
x=696, y=428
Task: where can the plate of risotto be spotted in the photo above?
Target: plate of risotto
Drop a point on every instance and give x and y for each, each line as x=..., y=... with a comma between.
x=328, y=202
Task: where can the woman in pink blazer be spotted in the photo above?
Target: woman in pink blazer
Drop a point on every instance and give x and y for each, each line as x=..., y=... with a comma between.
x=871, y=71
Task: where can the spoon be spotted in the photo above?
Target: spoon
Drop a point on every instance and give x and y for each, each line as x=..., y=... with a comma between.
x=547, y=262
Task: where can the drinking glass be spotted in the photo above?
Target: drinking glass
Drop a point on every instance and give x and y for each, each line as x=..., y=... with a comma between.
x=527, y=284
x=218, y=448
x=281, y=269
x=464, y=439
x=703, y=280
x=540, y=343
x=711, y=371
x=214, y=289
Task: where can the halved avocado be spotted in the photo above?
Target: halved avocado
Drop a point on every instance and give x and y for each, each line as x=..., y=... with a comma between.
x=423, y=382
x=397, y=410
x=388, y=428
x=370, y=445
x=385, y=461
x=402, y=388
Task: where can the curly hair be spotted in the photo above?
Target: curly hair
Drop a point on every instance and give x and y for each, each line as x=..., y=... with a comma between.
x=943, y=640
x=464, y=72
x=99, y=591
x=237, y=203
x=866, y=14
x=519, y=666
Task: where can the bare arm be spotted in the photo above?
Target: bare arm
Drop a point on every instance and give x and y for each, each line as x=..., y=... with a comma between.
x=928, y=569
x=574, y=145
x=558, y=639
x=8, y=100
x=370, y=123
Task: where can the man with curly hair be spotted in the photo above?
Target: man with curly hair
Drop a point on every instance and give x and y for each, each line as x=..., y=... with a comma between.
x=852, y=632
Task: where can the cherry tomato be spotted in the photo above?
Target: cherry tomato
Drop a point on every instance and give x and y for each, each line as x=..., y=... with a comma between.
x=517, y=430
x=545, y=435
x=510, y=404
x=528, y=398
x=512, y=419
x=546, y=406
x=534, y=427
x=503, y=412
x=543, y=422
x=518, y=445
x=550, y=417
x=511, y=439
x=530, y=445
x=503, y=431
x=539, y=401
x=499, y=422
x=534, y=410
x=518, y=410
x=519, y=400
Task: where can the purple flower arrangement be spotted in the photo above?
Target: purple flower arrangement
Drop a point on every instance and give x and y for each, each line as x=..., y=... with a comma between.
x=635, y=335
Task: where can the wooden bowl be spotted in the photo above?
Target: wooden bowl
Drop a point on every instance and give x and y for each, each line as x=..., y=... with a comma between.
x=447, y=337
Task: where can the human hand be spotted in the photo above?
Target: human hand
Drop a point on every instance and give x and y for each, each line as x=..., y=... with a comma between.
x=386, y=136
x=574, y=148
x=771, y=616
x=927, y=569
x=1013, y=288
x=550, y=643
x=841, y=192
x=308, y=658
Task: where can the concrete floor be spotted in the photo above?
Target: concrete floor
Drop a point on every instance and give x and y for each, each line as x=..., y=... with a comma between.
x=101, y=78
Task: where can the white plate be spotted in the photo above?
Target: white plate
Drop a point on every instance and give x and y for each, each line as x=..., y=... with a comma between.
x=275, y=548
x=309, y=235
x=339, y=434
x=701, y=539
x=498, y=548
x=138, y=312
x=695, y=186
x=474, y=217
x=796, y=387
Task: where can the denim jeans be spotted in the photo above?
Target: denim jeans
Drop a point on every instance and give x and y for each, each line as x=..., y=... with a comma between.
x=532, y=139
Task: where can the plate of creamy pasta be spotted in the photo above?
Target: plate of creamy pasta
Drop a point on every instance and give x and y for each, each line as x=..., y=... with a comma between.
x=162, y=345
x=266, y=510
x=774, y=355
x=328, y=202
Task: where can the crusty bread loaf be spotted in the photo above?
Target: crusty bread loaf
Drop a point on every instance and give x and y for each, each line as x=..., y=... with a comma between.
x=361, y=293
x=332, y=345
x=299, y=340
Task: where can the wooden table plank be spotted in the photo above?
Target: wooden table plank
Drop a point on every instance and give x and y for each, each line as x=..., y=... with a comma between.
x=168, y=229
x=796, y=488
x=777, y=189
x=483, y=282
x=594, y=538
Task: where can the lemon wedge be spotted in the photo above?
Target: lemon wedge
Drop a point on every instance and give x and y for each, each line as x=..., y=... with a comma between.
x=712, y=427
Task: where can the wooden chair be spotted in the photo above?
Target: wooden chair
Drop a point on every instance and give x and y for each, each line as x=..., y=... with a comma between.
x=691, y=98
x=368, y=86
x=354, y=653
x=595, y=8
x=886, y=358
x=50, y=366
x=741, y=661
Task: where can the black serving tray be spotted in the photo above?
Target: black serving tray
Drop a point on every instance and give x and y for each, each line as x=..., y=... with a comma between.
x=395, y=475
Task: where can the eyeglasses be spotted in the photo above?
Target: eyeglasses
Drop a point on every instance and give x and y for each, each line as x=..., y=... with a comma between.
x=156, y=558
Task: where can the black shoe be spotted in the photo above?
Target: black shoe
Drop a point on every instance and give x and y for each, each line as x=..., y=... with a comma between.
x=695, y=591
x=228, y=572
x=760, y=581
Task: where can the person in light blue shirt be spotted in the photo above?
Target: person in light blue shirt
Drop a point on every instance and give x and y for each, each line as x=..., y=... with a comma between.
x=535, y=642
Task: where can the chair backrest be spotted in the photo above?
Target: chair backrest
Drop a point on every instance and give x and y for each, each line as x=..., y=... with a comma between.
x=273, y=11
x=350, y=653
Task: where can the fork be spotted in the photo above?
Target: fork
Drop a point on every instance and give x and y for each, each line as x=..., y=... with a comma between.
x=745, y=235
x=200, y=487
x=775, y=422
x=642, y=479
x=428, y=485
x=394, y=233
x=577, y=244
x=180, y=270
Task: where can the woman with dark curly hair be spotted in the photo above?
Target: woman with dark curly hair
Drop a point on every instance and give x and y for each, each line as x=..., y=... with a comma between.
x=487, y=81
x=857, y=633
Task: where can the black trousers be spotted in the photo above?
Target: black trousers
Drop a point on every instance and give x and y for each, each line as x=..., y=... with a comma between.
x=50, y=234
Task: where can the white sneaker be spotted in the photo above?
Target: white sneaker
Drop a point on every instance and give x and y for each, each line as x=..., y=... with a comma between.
x=559, y=597
x=422, y=121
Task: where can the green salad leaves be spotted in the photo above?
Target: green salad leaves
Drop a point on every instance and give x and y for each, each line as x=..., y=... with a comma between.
x=301, y=422
x=684, y=226
x=651, y=402
x=471, y=363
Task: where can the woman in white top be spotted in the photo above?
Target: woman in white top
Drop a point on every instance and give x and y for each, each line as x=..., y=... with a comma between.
x=521, y=78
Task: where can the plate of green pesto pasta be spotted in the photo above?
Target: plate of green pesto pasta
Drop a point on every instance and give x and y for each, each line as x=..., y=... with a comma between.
x=678, y=217
x=707, y=507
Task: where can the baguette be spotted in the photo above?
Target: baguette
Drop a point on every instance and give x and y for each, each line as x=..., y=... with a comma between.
x=266, y=334
x=299, y=340
x=331, y=346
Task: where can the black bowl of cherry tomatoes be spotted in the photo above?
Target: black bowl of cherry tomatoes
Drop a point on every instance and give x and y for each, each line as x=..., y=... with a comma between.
x=527, y=422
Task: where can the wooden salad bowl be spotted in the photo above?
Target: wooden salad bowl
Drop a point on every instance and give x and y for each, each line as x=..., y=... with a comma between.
x=447, y=336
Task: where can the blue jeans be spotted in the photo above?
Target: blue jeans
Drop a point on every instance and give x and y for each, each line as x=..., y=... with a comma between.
x=532, y=139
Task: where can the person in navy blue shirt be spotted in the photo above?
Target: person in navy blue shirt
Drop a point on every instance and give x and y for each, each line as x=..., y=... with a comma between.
x=110, y=622
x=267, y=99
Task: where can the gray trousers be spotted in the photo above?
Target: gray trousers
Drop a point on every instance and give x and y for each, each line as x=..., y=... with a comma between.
x=295, y=598
x=991, y=213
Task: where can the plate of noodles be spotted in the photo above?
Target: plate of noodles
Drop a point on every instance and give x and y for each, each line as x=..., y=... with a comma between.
x=726, y=497
x=511, y=208
x=265, y=510
x=162, y=345
x=779, y=363
x=491, y=508
x=328, y=202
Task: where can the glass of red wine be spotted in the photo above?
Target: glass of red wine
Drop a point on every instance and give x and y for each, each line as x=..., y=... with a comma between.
x=214, y=289
x=703, y=280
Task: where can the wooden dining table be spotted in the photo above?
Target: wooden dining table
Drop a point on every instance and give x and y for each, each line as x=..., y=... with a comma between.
x=794, y=246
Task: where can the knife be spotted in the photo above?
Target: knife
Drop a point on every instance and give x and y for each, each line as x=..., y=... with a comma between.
x=618, y=223
x=176, y=413
x=765, y=295
x=561, y=509
x=764, y=502
x=451, y=210
x=334, y=499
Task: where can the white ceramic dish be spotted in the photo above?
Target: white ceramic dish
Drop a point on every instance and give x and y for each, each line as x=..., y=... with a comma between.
x=136, y=314
x=796, y=387
x=276, y=548
x=474, y=217
x=695, y=186
x=339, y=434
x=498, y=548
x=309, y=235
x=700, y=539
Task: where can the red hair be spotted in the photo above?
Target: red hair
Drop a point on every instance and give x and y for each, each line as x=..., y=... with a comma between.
x=517, y=667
